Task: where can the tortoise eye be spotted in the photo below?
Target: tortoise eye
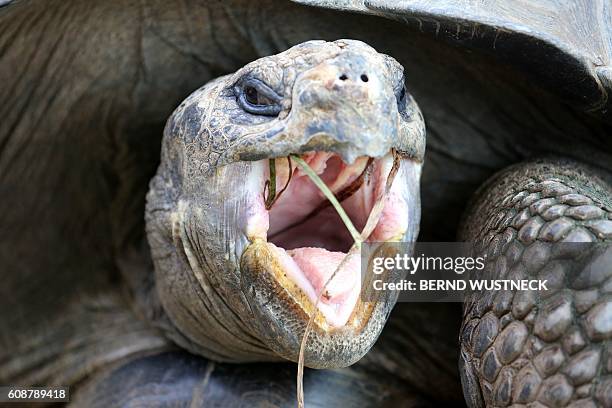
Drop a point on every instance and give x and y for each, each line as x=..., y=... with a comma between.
x=255, y=97
x=251, y=95
x=401, y=98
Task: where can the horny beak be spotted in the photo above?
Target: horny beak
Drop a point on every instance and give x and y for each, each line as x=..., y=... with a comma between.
x=344, y=105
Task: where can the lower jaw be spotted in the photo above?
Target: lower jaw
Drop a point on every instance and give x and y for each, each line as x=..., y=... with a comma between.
x=281, y=312
x=264, y=257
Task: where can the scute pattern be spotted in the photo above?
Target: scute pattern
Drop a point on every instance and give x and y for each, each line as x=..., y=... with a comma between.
x=540, y=349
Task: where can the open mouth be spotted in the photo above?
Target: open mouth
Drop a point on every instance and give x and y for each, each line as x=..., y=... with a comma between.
x=305, y=235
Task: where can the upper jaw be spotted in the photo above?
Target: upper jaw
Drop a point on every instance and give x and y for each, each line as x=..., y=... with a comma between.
x=306, y=130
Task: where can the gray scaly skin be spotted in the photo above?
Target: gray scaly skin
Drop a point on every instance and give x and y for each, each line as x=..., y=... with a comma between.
x=553, y=347
x=214, y=277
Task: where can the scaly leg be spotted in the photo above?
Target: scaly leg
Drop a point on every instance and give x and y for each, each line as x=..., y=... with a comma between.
x=554, y=347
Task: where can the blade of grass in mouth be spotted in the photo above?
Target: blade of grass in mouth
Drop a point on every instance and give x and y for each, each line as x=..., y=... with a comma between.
x=341, y=195
x=330, y=196
x=371, y=223
x=270, y=186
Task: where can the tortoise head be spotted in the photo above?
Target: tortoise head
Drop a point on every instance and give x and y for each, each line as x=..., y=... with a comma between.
x=238, y=266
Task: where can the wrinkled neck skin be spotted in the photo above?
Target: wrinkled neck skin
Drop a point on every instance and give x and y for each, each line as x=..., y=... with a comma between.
x=207, y=226
x=210, y=308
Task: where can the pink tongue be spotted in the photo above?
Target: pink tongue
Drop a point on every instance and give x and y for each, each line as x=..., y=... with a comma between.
x=310, y=268
x=318, y=264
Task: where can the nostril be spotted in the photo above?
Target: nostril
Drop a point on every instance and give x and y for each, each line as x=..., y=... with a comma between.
x=343, y=77
x=364, y=78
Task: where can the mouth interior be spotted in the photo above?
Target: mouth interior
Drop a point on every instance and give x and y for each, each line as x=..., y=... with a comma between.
x=302, y=216
x=308, y=236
